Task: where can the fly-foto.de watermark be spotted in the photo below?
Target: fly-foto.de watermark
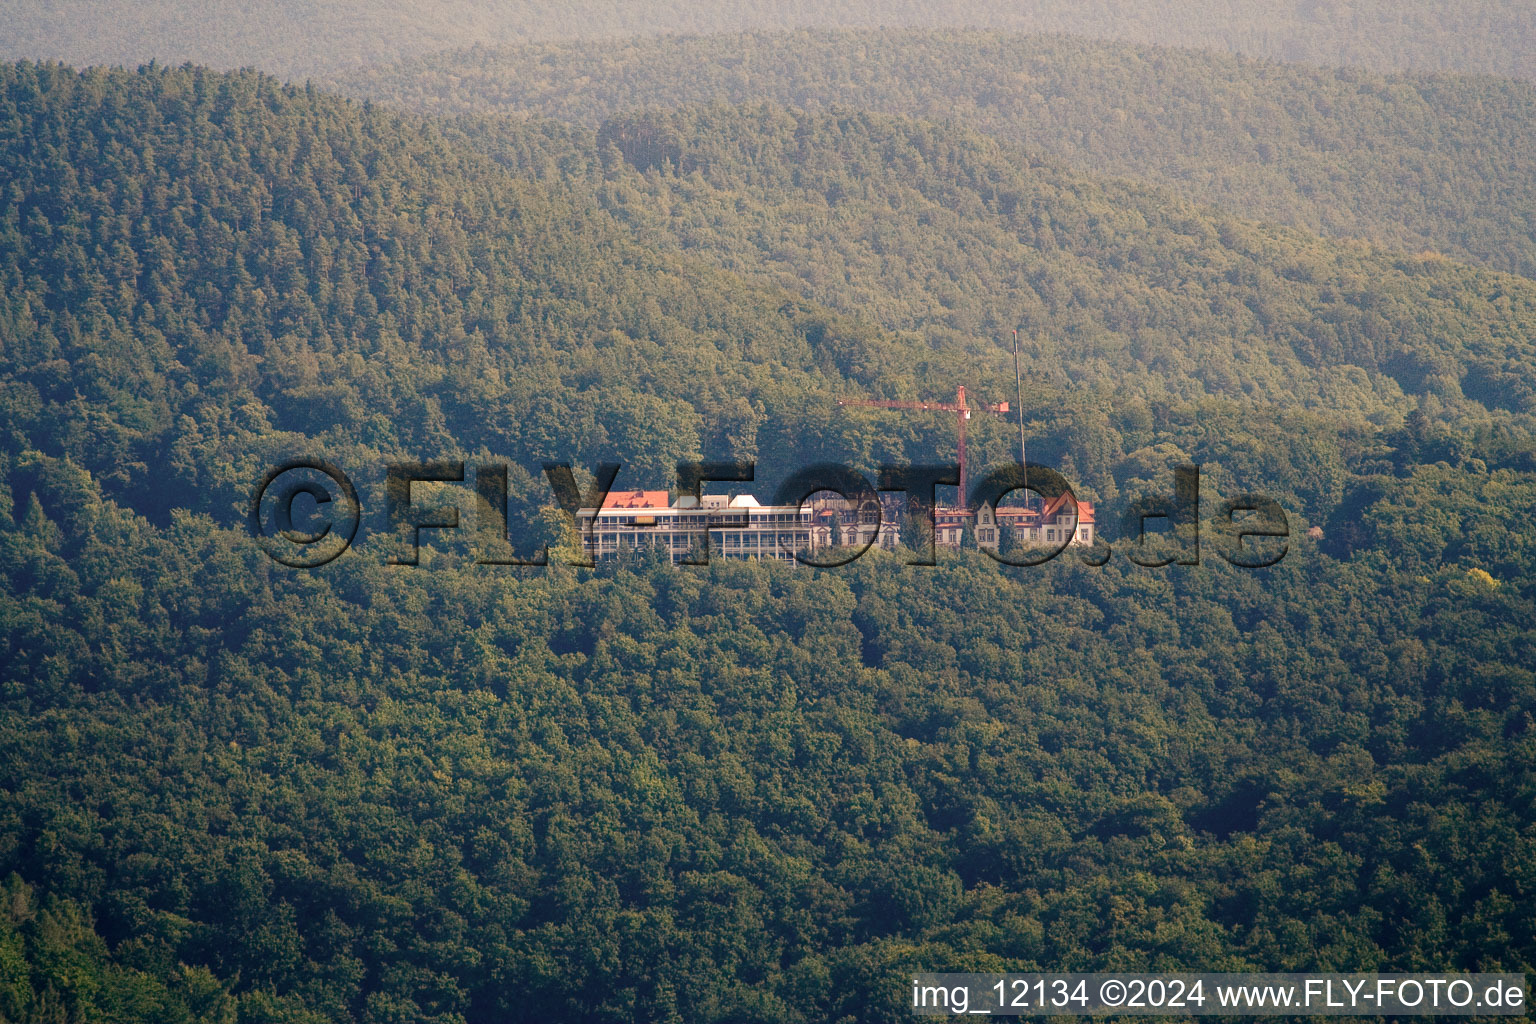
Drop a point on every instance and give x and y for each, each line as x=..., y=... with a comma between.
x=306, y=512
x=1223, y=995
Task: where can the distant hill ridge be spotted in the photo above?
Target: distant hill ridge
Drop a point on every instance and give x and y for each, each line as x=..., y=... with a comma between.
x=300, y=40
x=1414, y=162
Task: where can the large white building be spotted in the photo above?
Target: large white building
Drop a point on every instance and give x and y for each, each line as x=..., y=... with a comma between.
x=739, y=527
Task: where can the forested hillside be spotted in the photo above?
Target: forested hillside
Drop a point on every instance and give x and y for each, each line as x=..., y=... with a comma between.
x=744, y=792
x=201, y=270
x=299, y=40
x=1435, y=162
x=943, y=233
x=369, y=281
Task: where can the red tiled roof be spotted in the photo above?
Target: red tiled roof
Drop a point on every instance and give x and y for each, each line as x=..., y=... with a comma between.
x=637, y=499
x=1053, y=507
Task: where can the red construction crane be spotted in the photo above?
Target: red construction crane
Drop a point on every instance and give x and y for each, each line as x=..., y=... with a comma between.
x=959, y=407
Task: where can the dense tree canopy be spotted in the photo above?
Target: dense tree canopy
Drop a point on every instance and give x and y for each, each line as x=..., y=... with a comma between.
x=230, y=791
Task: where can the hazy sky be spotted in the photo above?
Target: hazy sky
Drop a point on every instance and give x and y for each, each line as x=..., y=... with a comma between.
x=298, y=39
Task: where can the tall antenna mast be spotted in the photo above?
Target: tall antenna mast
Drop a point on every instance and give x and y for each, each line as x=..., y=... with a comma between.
x=1018, y=388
